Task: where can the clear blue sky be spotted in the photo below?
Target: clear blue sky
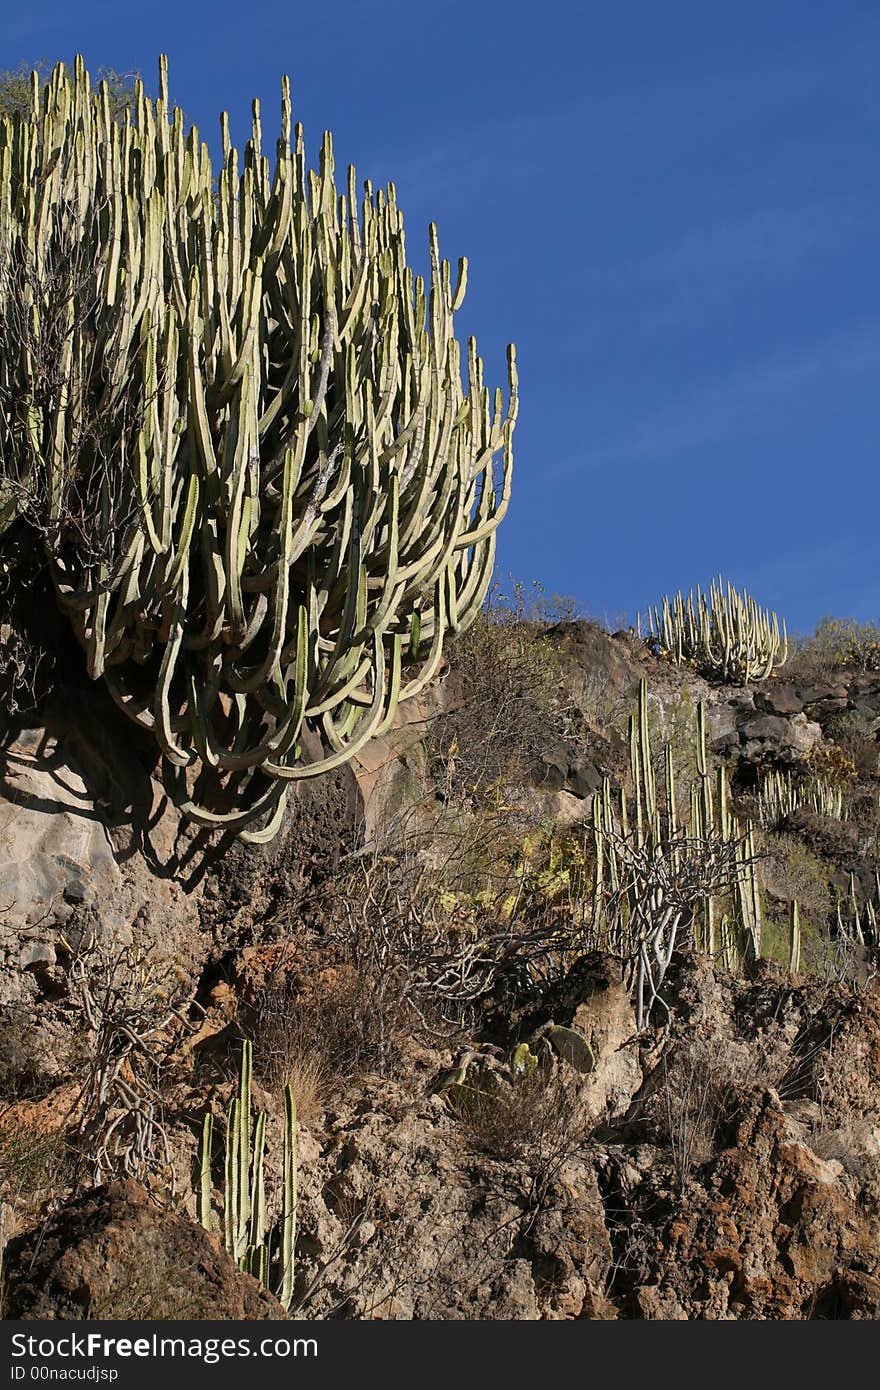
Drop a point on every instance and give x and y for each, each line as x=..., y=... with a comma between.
x=672, y=208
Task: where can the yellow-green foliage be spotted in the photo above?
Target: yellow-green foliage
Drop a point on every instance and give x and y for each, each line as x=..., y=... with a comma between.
x=528, y=875
x=840, y=642
x=832, y=764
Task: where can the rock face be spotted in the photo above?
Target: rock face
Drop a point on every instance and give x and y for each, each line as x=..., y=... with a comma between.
x=114, y=1254
x=728, y=1167
x=605, y=1016
x=406, y=1215
x=585, y=1206
x=88, y=849
x=769, y=1230
x=87, y=840
x=770, y=1206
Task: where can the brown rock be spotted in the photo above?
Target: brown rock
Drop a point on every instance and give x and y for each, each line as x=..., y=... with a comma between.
x=114, y=1254
x=605, y=1016
x=780, y=699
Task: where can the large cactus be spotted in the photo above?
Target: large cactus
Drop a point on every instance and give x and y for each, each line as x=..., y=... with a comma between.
x=240, y=423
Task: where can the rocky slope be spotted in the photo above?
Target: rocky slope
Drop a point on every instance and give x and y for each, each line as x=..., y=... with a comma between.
x=725, y=1165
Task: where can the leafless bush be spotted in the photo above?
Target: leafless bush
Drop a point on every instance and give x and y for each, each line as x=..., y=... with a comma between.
x=650, y=912
x=513, y=702
x=131, y=1005
x=420, y=931
x=325, y=1034
x=414, y=922
x=68, y=470
x=537, y=1118
x=707, y=1085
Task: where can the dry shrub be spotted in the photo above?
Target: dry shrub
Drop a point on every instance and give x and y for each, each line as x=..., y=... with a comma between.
x=309, y=1079
x=287, y=1050
x=415, y=943
x=707, y=1083
x=537, y=1120
x=436, y=924
x=19, y=1054
x=790, y=870
x=836, y=644
x=847, y=1093
x=34, y=1163
x=513, y=701
x=336, y=1029
x=854, y=731
x=131, y=1004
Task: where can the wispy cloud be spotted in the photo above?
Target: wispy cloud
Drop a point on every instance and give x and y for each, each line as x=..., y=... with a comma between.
x=760, y=399
x=610, y=128
x=767, y=239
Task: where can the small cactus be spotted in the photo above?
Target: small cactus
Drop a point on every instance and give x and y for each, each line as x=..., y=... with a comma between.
x=572, y=1047
x=245, y=1228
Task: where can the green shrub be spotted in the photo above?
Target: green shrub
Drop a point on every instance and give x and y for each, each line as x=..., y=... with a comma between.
x=841, y=642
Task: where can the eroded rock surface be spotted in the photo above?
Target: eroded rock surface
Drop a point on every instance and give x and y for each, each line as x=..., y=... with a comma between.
x=114, y=1254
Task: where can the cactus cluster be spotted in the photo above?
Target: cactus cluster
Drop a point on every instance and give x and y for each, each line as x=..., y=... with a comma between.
x=858, y=914
x=245, y=1228
x=267, y=482
x=780, y=794
x=667, y=872
x=726, y=635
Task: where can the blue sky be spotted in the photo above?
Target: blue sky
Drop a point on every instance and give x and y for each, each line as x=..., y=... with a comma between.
x=672, y=208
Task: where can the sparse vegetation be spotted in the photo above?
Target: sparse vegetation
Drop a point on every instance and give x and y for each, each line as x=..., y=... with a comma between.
x=248, y=482
x=34, y=1162
x=708, y=1083
x=838, y=644
x=513, y=700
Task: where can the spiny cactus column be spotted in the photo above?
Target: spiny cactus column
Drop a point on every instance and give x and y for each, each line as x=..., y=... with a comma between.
x=263, y=472
x=245, y=1225
x=794, y=955
x=727, y=635
x=664, y=875
x=780, y=794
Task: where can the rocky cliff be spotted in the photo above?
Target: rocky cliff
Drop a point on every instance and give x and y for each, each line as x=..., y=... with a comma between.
x=409, y=929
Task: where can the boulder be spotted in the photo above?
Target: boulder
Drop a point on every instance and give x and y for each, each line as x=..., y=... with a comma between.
x=780, y=699
x=113, y=1253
